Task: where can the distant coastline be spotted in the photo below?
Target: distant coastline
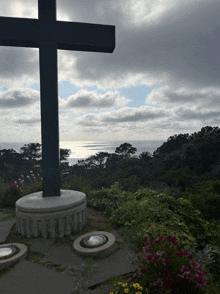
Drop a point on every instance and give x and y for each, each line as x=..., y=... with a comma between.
x=83, y=149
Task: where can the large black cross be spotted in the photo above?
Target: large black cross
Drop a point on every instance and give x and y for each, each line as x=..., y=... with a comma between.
x=48, y=35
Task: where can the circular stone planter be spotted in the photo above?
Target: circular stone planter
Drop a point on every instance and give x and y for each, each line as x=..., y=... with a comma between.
x=12, y=256
x=95, y=244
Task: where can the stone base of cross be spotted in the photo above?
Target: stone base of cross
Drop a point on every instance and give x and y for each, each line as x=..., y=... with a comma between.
x=51, y=217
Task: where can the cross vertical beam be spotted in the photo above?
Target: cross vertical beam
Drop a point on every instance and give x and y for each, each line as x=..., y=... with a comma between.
x=49, y=119
x=49, y=105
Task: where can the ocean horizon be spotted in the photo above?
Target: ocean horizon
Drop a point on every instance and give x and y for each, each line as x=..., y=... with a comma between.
x=83, y=149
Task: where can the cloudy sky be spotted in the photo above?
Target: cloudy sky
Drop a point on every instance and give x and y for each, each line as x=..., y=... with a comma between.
x=163, y=77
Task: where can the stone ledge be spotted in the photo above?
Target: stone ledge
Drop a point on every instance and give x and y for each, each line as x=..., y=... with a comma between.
x=35, y=202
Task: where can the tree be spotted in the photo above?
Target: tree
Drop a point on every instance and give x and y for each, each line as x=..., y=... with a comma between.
x=113, y=161
x=10, y=156
x=95, y=161
x=146, y=156
x=173, y=143
x=64, y=153
x=15, y=163
x=30, y=151
x=125, y=150
x=11, y=163
x=100, y=159
x=181, y=178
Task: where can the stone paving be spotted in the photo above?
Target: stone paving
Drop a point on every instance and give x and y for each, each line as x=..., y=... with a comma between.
x=30, y=278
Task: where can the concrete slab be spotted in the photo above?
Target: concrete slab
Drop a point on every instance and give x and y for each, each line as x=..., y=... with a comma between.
x=115, y=265
x=3, y=215
x=41, y=245
x=31, y=278
x=5, y=228
x=65, y=257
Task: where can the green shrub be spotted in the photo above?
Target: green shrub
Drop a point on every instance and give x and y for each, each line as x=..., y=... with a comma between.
x=161, y=215
x=107, y=199
x=33, y=187
x=3, y=186
x=130, y=183
x=215, y=186
x=77, y=184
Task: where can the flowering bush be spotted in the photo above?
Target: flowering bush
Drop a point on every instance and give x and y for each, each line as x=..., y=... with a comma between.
x=174, y=272
x=12, y=194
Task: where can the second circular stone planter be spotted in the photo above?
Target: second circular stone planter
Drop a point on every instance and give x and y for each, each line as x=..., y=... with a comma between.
x=12, y=258
x=98, y=252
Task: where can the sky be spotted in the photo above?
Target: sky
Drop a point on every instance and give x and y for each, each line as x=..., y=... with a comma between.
x=163, y=78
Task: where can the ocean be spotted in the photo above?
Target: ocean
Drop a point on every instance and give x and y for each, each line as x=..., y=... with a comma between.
x=83, y=149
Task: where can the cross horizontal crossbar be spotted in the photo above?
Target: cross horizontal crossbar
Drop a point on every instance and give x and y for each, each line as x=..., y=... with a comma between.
x=26, y=32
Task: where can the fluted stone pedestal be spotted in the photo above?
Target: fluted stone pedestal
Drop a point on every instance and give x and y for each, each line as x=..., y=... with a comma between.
x=51, y=217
